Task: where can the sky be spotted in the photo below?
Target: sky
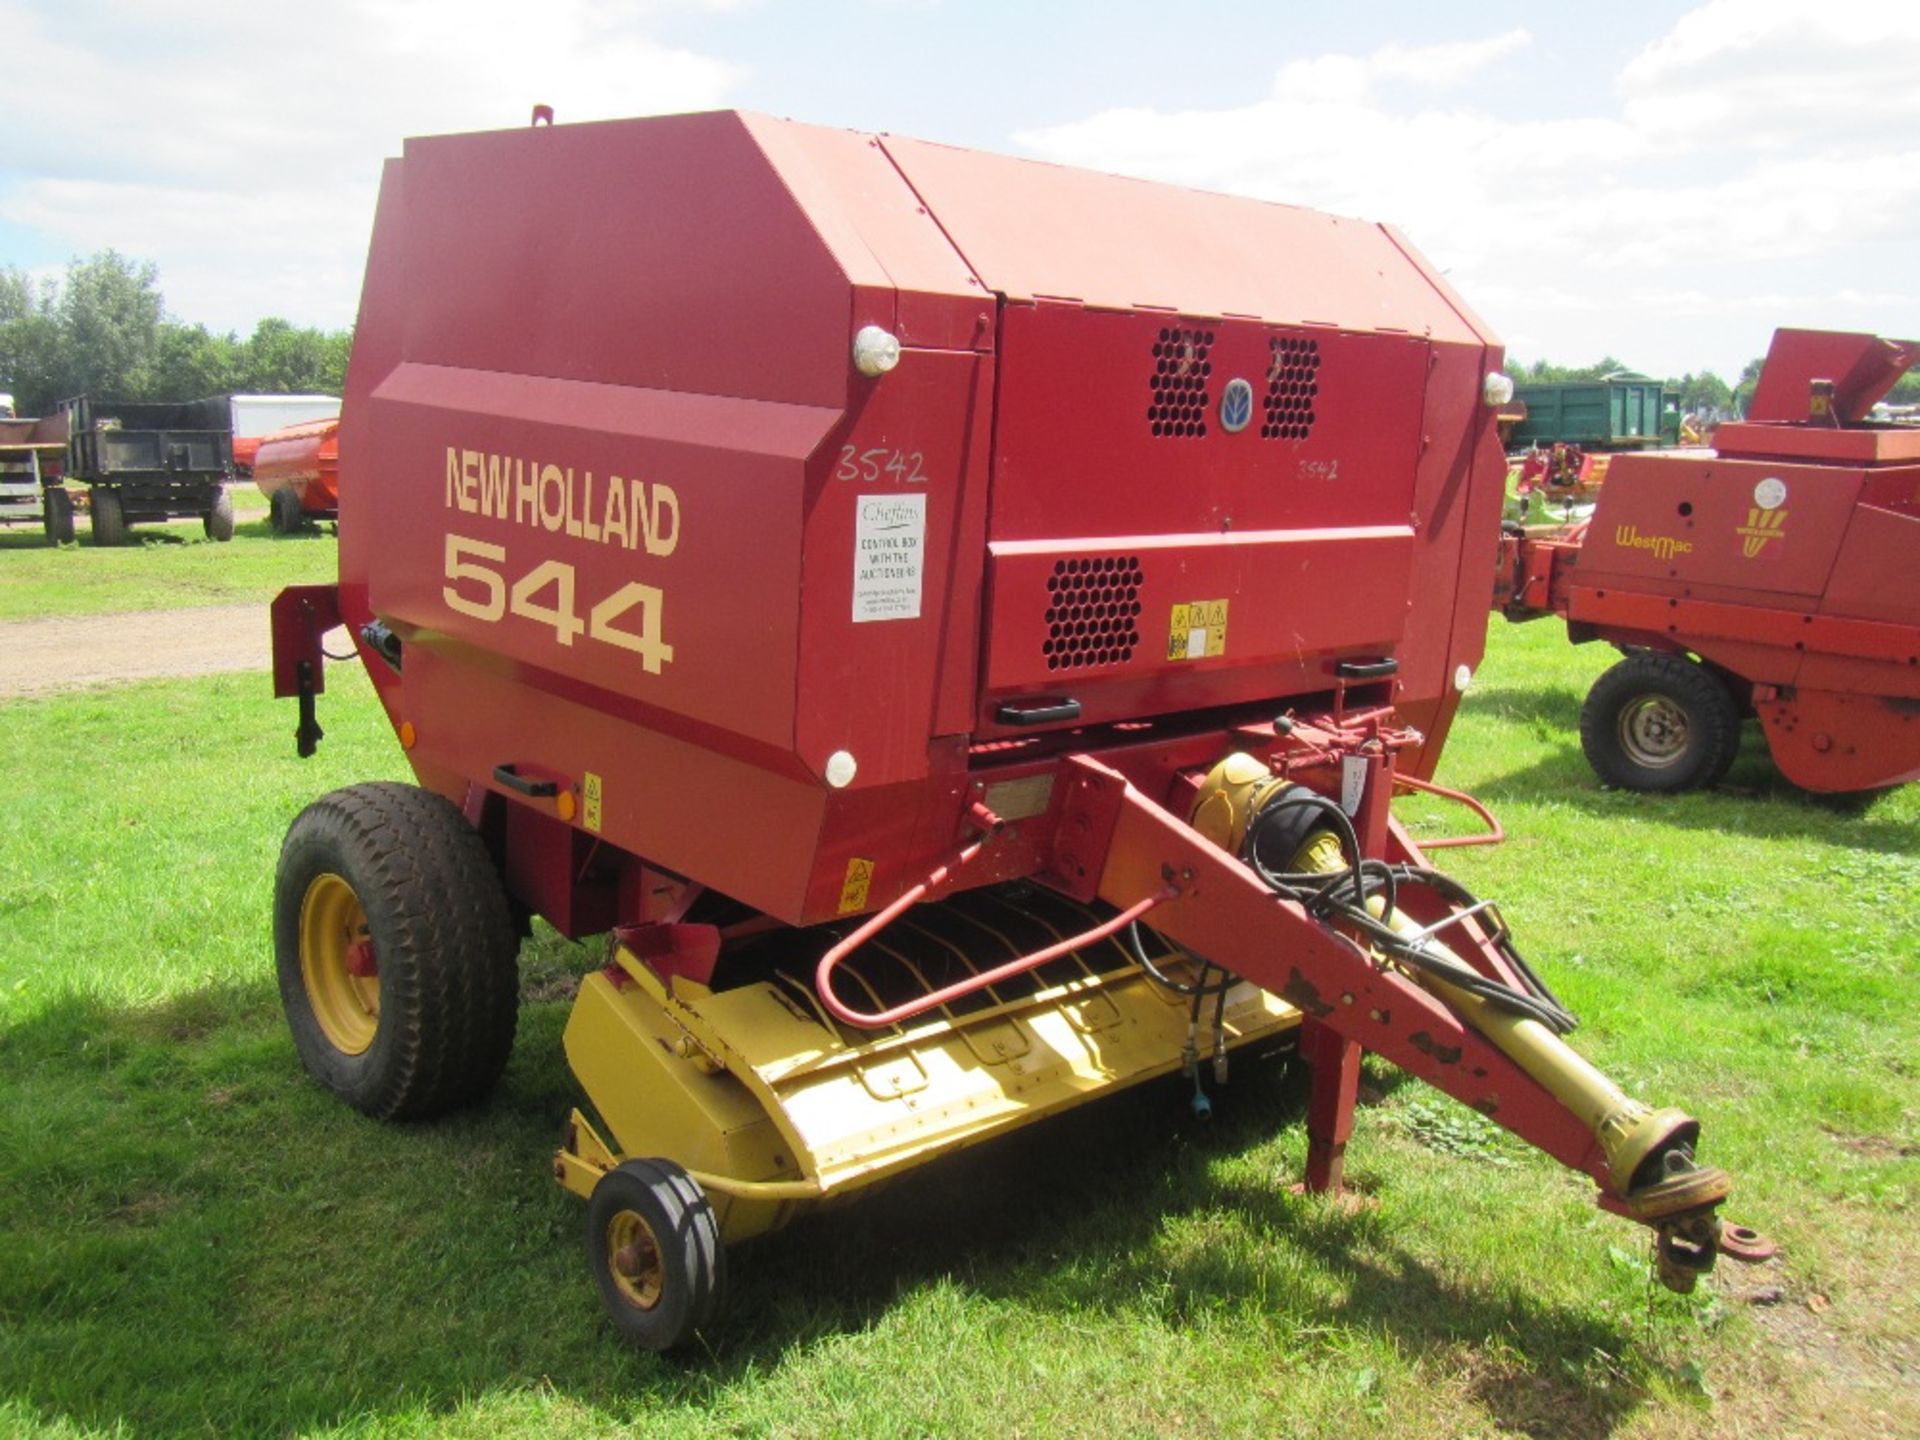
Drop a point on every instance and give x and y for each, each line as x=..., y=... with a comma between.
x=1659, y=182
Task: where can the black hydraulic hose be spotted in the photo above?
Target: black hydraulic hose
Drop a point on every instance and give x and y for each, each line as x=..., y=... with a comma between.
x=1179, y=987
x=1345, y=892
x=1454, y=892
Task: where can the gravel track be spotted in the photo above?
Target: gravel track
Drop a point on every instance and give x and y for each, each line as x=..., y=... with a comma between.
x=76, y=652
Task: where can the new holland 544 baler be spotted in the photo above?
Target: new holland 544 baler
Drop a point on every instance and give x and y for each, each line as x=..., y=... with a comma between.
x=958, y=624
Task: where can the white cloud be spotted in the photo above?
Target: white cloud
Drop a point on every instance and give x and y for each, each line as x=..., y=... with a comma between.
x=1437, y=67
x=1755, y=149
x=210, y=135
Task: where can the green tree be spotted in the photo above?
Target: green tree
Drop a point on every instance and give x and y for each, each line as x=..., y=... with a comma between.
x=191, y=362
x=30, y=348
x=281, y=358
x=103, y=330
x=1545, y=372
x=1703, y=392
x=110, y=309
x=1743, y=388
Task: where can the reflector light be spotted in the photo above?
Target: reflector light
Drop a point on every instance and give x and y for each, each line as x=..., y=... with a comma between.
x=875, y=351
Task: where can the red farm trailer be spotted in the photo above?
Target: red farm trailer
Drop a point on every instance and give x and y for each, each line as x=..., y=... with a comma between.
x=956, y=624
x=1773, y=576
x=298, y=469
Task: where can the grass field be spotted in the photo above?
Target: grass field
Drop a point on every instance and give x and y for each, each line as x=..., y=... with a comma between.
x=168, y=566
x=195, y=1240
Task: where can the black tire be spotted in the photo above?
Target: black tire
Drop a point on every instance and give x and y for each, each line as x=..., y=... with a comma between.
x=108, y=518
x=218, y=521
x=433, y=1029
x=1659, y=724
x=653, y=1244
x=56, y=513
x=284, y=511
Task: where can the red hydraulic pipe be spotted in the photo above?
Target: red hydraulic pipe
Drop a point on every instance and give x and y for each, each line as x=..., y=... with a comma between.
x=1495, y=831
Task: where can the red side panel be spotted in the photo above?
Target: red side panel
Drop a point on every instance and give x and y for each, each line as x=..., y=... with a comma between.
x=665, y=254
x=1719, y=526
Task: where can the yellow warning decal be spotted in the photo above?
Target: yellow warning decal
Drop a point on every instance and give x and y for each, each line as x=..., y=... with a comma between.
x=590, y=801
x=853, y=891
x=1197, y=630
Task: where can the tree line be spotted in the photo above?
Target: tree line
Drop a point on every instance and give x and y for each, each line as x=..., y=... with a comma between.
x=103, y=329
x=1703, y=394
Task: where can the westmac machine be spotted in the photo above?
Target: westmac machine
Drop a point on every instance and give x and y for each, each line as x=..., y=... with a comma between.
x=956, y=624
x=1774, y=576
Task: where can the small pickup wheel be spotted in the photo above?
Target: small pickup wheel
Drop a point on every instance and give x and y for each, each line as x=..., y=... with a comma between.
x=108, y=518
x=1660, y=724
x=653, y=1244
x=218, y=521
x=56, y=513
x=396, y=951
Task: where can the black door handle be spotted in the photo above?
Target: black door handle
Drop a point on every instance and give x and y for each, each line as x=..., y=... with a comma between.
x=1036, y=712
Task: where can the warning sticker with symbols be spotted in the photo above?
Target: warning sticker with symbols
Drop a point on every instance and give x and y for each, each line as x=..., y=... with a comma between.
x=853, y=890
x=1197, y=630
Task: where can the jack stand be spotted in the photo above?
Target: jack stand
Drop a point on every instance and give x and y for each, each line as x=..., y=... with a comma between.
x=1335, y=1062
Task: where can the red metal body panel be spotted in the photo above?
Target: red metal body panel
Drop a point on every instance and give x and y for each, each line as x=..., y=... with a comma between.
x=670, y=304
x=1032, y=231
x=1860, y=368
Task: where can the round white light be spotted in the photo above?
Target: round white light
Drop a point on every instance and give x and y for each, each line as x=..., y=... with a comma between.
x=1463, y=678
x=1497, y=389
x=840, y=769
x=875, y=352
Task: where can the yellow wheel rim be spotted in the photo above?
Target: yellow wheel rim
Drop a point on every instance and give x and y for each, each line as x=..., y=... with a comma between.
x=633, y=1259
x=337, y=964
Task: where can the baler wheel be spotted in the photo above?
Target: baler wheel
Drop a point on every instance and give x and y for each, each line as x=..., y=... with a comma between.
x=109, y=517
x=284, y=512
x=653, y=1244
x=1659, y=724
x=56, y=513
x=218, y=521
x=396, y=951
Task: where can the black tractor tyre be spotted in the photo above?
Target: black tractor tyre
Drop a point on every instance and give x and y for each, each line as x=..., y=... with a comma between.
x=108, y=518
x=284, y=511
x=56, y=514
x=1659, y=724
x=421, y=1020
x=218, y=521
x=653, y=1244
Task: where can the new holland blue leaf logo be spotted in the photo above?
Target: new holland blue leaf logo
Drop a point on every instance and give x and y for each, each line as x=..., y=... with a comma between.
x=1236, y=406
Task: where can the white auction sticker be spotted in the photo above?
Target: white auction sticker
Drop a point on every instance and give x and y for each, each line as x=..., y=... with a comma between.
x=889, y=551
x=1770, y=493
x=1353, y=783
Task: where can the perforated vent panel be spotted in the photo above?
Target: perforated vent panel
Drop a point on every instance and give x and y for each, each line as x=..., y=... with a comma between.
x=1093, y=612
x=1180, y=395
x=1292, y=387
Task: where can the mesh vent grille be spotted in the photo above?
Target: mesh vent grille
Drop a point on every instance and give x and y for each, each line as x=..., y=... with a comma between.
x=1293, y=384
x=1180, y=371
x=1093, y=612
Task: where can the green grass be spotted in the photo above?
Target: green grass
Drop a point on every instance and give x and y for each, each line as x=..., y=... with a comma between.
x=194, y=1239
x=168, y=566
